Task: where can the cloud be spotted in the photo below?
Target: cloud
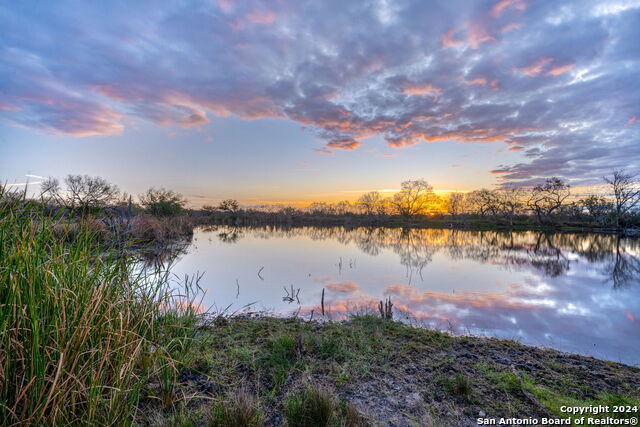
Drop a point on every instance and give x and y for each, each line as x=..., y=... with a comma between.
x=557, y=87
x=560, y=69
x=344, y=144
x=343, y=287
x=535, y=68
x=323, y=151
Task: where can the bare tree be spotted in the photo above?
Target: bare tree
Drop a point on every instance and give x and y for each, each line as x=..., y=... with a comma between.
x=342, y=207
x=548, y=198
x=81, y=191
x=414, y=197
x=455, y=203
x=371, y=203
x=483, y=202
x=598, y=208
x=511, y=202
x=626, y=192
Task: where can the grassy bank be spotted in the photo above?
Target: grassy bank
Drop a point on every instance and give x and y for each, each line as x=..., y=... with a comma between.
x=372, y=371
x=81, y=332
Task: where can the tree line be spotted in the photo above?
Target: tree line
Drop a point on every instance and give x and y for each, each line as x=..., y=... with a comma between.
x=546, y=203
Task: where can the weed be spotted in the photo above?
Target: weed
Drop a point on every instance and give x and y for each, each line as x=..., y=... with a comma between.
x=237, y=410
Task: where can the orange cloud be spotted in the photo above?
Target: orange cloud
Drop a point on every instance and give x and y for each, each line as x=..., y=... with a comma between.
x=516, y=148
x=345, y=287
x=344, y=144
x=478, y=35
x=420, y=89
x=560, y=69
x=390, y=155
x=448, y=39
x=500, y=7
x=476, y=81
x=535, y=68
x=323, y=151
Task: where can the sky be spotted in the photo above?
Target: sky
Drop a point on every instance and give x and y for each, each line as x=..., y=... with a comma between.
x=292, y=100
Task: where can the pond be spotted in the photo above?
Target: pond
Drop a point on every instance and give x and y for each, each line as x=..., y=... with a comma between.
x=575, y=292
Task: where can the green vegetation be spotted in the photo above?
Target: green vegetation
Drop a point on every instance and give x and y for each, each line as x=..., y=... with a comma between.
x=81, y=335
x=162, y=202
x=370, y=370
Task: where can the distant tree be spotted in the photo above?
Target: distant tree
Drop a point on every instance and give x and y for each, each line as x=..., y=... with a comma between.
x=455, y=203
x=414, y=198
x=548, y=198
x=320, y=208
x=371, y=203
x=597, y=208
x=510, y=202
x=626, y=193
x=81, y=192
x=209, y=209
x=482, y=202
x=229, y=205
x=342, y=207
x=162, y=202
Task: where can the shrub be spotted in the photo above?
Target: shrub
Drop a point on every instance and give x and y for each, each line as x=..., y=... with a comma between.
x=162, y=202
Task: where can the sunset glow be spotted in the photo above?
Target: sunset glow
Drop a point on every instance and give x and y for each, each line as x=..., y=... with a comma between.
x=293, y=102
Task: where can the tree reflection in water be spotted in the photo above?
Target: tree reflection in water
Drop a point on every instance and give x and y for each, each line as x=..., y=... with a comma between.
x=546, y=252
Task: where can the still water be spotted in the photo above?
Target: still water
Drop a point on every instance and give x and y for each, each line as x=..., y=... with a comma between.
x=578, y=293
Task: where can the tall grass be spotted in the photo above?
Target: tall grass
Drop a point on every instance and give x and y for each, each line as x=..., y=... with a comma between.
x=81, y=335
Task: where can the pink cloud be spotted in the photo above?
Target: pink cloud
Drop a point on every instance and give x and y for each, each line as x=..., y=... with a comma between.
x=263, y=18
x=535, y=68
x=478, y=35
x=323, y=151
x=449, y=40
x=502, y=5
x=632, y=120
x=510, y=27
x=560, y=69
x=476, y=81
x=345, y=287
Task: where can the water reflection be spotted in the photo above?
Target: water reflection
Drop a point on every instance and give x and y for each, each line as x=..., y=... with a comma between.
x=576, y=292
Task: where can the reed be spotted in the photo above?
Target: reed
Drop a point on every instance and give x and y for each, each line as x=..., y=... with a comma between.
x=81, y=334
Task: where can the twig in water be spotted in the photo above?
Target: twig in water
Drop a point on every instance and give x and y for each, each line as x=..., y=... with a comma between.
x=261, y=268
x=290, y=297
x=386, y=309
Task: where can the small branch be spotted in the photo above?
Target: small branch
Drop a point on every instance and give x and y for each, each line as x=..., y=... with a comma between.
x=259, y=271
